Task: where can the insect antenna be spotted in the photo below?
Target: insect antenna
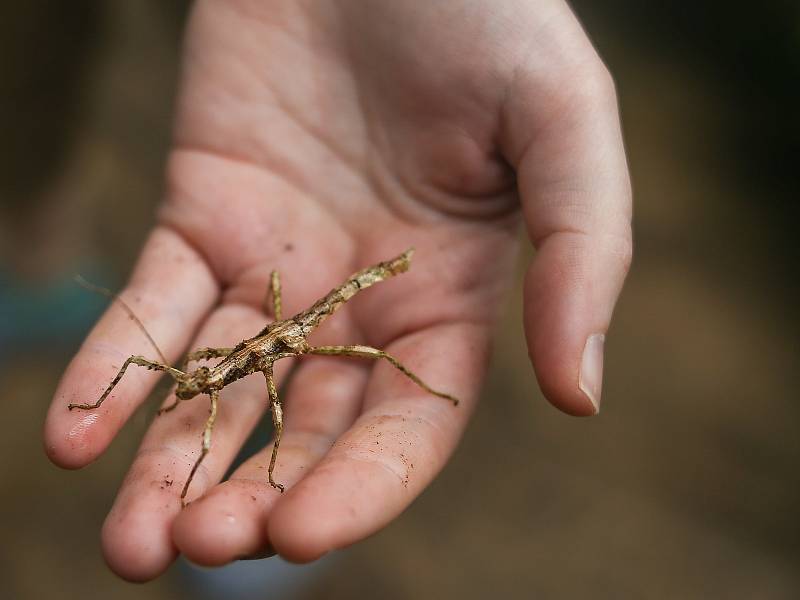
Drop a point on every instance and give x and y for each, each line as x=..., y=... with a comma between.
x=115, y=298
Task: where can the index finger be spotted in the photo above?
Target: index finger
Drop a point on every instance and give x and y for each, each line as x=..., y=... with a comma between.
x=171, y=291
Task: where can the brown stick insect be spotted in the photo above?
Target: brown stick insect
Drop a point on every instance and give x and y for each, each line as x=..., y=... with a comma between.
x=282, y=338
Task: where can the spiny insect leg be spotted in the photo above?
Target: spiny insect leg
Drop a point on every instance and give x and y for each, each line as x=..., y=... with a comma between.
x=274, y=294
x=370, y=352
x=205, y=354
x=136, y=360
x=206, y=442
x=277, y=421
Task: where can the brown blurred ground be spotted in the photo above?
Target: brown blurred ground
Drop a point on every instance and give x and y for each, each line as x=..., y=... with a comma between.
x=685, y=487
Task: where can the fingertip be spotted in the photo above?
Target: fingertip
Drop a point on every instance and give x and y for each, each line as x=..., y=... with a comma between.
x=559, y=385
x=298, y=545
x=300, y=530
x=73, y=440
x=567, y=313
x=223, y=526
x=135, y=547
x=75, y=437
x=343, y=501
x=136, y=535
x=558, y=374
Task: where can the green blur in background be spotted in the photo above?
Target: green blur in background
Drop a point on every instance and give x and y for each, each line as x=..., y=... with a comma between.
x=686, y=486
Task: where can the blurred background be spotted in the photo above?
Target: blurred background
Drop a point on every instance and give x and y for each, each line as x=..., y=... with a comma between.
x=687, y=484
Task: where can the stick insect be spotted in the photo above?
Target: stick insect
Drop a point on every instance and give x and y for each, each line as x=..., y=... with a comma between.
x=282, y=338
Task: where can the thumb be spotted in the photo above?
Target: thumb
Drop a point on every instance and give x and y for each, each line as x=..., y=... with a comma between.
x=565, y=142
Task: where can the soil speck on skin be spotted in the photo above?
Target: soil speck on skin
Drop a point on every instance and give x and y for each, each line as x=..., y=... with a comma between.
x=168, y=482
x=253, y=498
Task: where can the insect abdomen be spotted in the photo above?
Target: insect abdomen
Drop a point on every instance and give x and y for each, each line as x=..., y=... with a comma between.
x=361, y=280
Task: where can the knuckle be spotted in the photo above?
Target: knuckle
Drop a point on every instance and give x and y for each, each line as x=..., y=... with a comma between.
x=623, y=251
x=587, y=81
x=626, y=254
x=600, y=81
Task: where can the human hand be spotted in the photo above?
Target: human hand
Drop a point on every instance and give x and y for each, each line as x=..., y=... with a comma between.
x=317, y=140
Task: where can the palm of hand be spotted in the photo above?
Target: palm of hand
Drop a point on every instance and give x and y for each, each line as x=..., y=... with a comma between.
x=315, y=144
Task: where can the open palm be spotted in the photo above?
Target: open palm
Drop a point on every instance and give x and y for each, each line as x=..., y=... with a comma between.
x=317, y=139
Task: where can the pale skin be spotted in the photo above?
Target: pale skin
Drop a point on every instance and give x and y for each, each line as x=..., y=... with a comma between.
x=316, y=138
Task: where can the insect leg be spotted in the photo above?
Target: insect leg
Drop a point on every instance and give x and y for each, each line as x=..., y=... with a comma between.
x=136, y=360
x=214, y=394
x=369, y=352
x=172, y=406
x=274, y=294
x=205, y=354
x=277, y=421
